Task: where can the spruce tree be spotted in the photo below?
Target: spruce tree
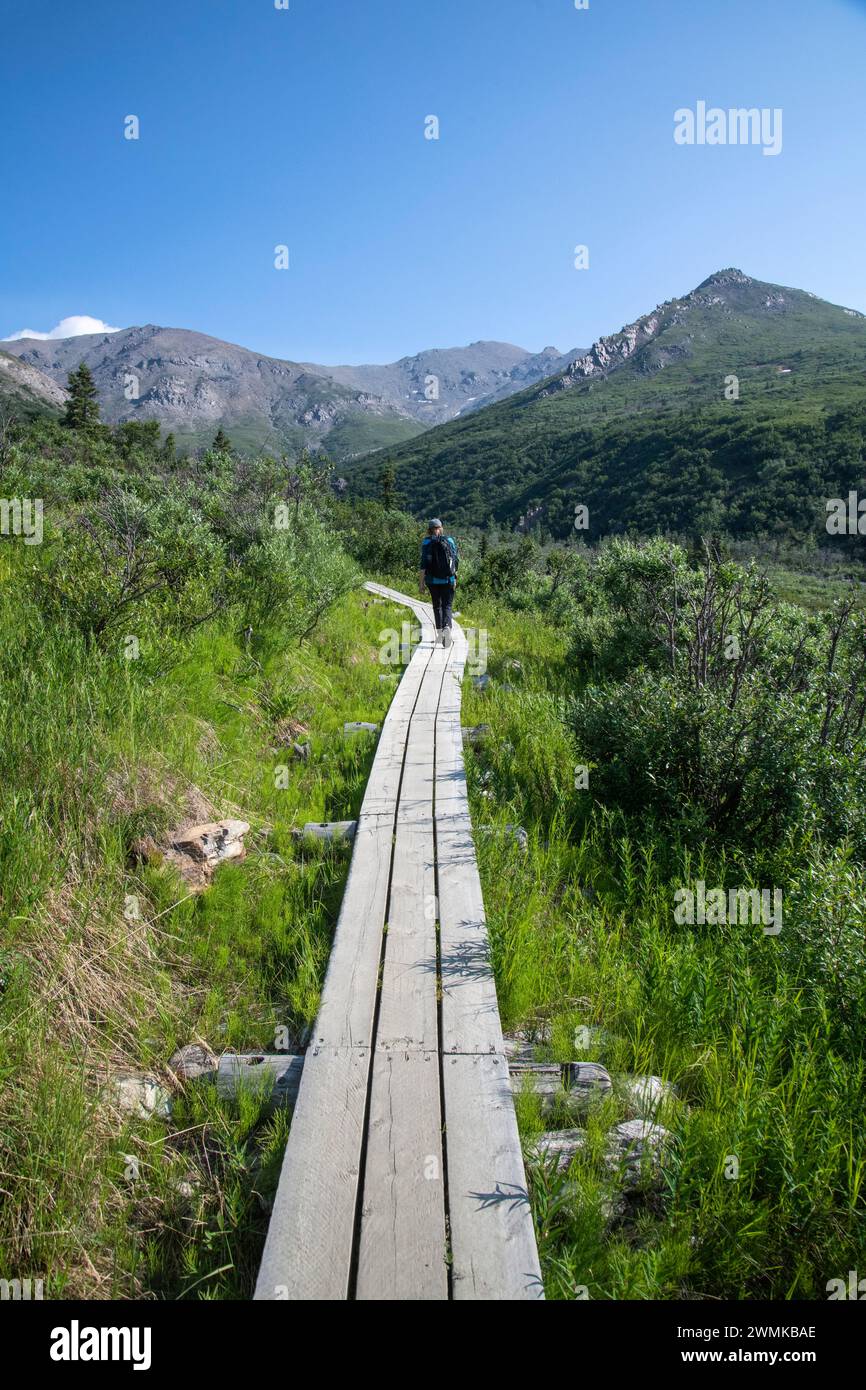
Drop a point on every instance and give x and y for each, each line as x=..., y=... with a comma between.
x=387, y=479
x=82, y=408
x=222, y=444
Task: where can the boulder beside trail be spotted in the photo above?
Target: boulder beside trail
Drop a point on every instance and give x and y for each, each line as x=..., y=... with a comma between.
x=475, y=733
x=198, y=851
x=136, y=1095
x=213, y=842
x=645, y=1096
x=561, y=1144
x=634, y=1151
x=192, y=1061
x=637, y=1149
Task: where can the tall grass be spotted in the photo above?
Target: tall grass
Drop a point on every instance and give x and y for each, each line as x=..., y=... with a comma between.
x=751, y=1031
x=95, y=759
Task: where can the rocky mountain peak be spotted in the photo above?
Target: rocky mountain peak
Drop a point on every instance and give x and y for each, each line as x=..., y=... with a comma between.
x=731, y=276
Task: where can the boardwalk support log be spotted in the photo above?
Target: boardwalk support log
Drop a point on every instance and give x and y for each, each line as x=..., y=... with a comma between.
x=278, y=1076
x=328, y=830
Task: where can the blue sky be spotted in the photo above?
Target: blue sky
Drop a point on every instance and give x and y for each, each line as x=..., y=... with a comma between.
x=306, y=127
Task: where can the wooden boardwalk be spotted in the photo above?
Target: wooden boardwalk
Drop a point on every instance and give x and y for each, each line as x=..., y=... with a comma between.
x=403, y=1176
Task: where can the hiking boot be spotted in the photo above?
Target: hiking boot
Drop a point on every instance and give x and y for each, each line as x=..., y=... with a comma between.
x=446, y=637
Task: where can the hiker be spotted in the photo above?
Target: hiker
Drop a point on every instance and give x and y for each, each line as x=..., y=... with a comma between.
x=438, y=573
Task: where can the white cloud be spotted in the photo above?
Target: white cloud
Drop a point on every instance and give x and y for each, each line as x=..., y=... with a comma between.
x=72, y=327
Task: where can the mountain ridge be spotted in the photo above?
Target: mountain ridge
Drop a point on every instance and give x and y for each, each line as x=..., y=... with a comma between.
x=611, y=350
x=193, y=384
x=27, y=390
x=732, y=370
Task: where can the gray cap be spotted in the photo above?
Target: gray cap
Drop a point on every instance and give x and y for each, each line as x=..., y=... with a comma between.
x=433, y=523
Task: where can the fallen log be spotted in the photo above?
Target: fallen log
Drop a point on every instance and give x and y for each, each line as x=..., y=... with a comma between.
x=573, y=1086
x=328, y=830
x=276, y=1075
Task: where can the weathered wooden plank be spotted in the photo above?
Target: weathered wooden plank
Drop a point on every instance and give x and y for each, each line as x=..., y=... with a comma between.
x=402, y=1238
x=308, y=1250
x=470, y=1012
x=492, y=1236
x=384, y=780
x=402, y=1252
x=494, y=1254
x=345, y=1017
x=310, y=1242
x=408, y=1007
x=336, y=831
x=346, y=1011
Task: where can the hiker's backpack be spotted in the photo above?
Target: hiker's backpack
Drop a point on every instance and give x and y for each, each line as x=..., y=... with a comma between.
x=441, y=562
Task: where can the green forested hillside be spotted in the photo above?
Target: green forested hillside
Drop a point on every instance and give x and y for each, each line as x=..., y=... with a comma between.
x=650, y=431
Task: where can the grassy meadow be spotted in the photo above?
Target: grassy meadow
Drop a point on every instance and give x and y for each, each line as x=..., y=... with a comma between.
x=186, y=643
x=760, y=1036
x=110, y=962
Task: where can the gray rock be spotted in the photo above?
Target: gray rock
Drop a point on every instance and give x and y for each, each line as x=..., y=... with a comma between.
x=636, y=1149
x=561, y=1144
x=214, y=842
x=360, y=727
x=519, y=835
x=645, y=1095
x=192, y=1061
x=475, y=734
x=138, y=1096
x=481, y=682
x=18, y=379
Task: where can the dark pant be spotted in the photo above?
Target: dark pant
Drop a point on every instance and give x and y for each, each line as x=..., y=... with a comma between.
x=442, y=597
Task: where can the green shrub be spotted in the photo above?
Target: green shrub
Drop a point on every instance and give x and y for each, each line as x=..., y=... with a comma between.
x=290, y=577
x=382, y=540
x=714, y=706
x=125, y=567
